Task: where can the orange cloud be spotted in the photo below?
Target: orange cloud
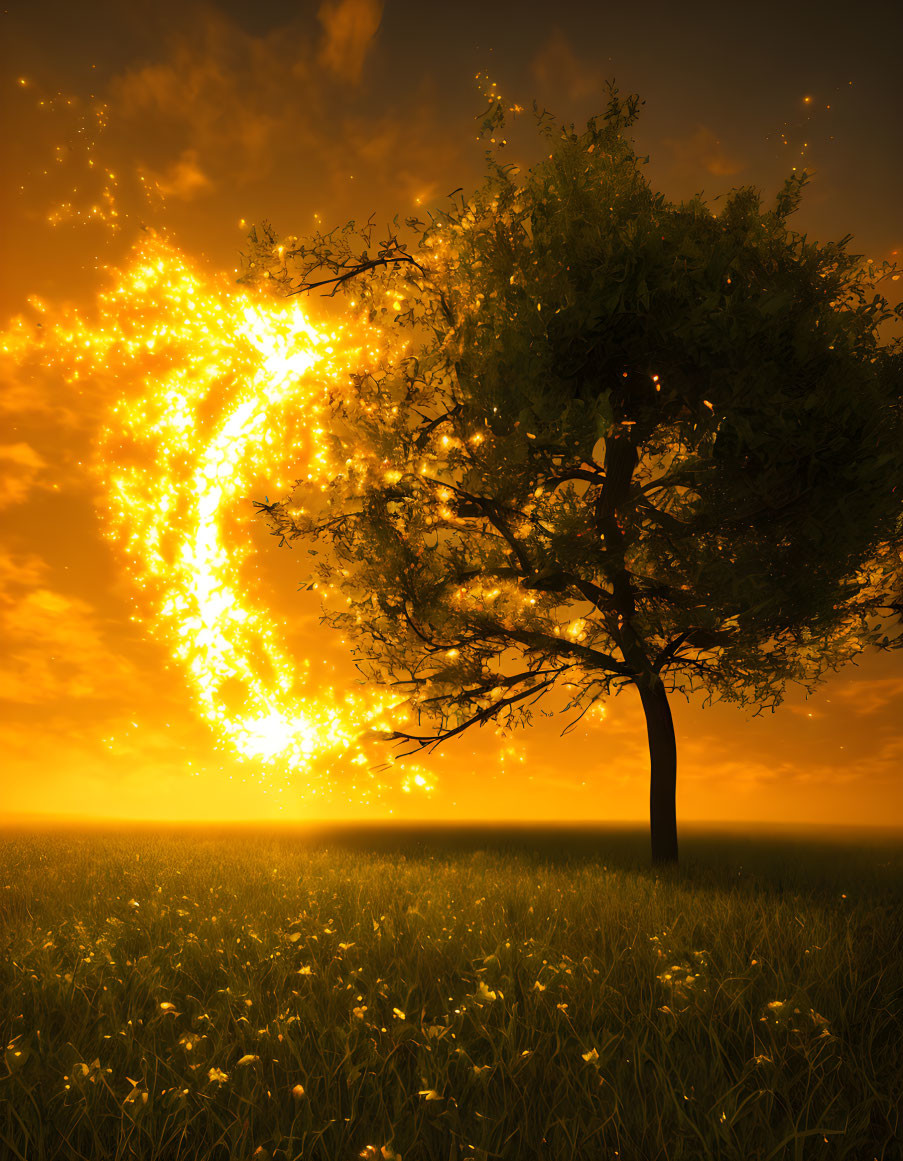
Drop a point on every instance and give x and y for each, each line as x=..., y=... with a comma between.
x=405, y=155
x=868, y=697
x=54, y=646
x=28, y=570
x=557, y=67
x=34, y=392
x=222, y=111
x=224, y=97
x=349, y=27
x=184, y=179
x=20, y=466
x=701, y=150
x=26, y=391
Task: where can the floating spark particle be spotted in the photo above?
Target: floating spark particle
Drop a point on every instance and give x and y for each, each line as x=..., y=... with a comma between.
x=83, y=186
x=810, y=124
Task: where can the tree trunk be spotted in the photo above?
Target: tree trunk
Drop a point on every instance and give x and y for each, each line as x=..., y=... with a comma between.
x=663, y=773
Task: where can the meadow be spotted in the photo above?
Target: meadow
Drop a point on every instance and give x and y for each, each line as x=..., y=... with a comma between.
x=448, y=994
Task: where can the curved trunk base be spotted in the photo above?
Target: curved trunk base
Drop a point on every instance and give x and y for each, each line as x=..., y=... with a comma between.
x=662, y=774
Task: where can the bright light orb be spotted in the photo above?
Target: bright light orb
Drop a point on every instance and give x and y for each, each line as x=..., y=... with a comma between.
x=219, y=390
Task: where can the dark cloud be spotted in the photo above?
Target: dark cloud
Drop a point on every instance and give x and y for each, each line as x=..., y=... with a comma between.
x=349, y=27
x=701, y=151
x=558, y=69
x=224, y=99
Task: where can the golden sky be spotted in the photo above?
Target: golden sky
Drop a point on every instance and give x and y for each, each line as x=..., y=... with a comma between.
x=198, y=120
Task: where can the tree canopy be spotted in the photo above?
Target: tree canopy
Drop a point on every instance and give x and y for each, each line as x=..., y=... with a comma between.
x=628, y=440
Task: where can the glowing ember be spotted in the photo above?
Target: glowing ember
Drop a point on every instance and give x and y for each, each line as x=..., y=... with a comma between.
x=206, y=373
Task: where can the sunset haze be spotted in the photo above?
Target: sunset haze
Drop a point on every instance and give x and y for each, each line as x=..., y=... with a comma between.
x=142, y=144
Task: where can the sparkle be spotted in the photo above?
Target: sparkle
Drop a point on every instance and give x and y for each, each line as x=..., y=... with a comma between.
x=218, y=392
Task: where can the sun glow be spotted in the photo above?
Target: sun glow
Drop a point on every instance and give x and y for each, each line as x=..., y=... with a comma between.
x=217, y=394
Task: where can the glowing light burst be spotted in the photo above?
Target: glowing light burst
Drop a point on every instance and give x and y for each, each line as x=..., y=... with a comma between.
x=220, y=392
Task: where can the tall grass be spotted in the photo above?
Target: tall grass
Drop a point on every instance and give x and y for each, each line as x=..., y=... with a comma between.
x=237, y=996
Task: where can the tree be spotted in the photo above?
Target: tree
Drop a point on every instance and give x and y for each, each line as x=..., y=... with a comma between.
x=626, y=441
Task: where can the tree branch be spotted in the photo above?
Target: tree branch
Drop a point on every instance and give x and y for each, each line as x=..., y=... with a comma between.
x=493, y=682
x=481, y=504
x=567, y=729
x=359, y=268
x=425, y=741
x=434, y=423
x=683, y=477
x=543, y=641
x=495, y=573
x=669, y=651
x=596, y=478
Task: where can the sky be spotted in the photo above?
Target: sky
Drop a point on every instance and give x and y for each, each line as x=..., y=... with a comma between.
x=126, y=124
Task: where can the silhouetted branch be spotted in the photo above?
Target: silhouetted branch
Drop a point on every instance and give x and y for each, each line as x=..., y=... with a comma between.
x=669, y=651
x=430, y=742
x=359, y=268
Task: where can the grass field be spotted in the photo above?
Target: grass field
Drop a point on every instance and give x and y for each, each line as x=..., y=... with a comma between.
x=448, y=994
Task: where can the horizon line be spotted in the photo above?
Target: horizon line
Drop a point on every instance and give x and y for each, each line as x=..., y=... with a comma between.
x=16, y=819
